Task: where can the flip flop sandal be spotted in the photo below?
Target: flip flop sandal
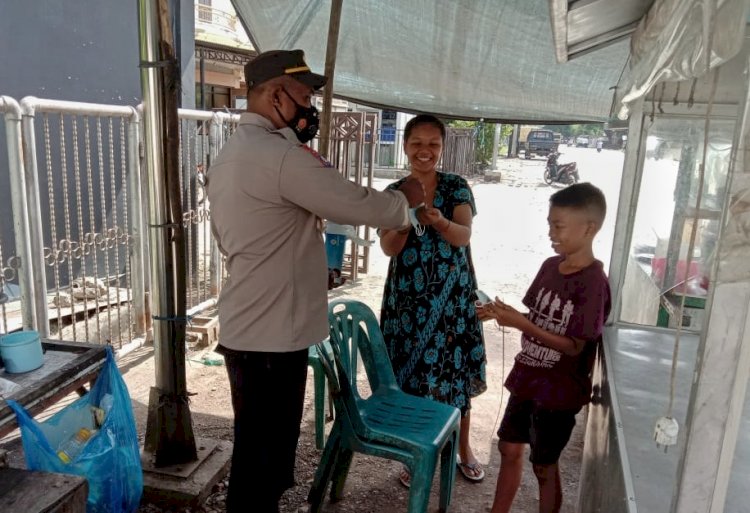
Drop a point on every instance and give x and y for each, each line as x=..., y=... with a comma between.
x=404, y=477
x=472, y=472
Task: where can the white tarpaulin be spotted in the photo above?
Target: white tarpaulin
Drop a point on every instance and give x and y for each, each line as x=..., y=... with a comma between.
x=674, y=42
x=459, y=58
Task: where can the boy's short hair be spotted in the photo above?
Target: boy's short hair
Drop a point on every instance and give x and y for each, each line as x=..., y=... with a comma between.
x=582, y=196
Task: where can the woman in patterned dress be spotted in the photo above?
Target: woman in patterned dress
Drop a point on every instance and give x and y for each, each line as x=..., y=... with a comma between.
x=428, y=318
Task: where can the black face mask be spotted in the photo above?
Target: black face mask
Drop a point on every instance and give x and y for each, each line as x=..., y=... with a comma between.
x=304, y=123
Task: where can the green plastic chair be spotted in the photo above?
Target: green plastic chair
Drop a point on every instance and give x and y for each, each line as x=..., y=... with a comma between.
x=319, y=379
x=389, y=423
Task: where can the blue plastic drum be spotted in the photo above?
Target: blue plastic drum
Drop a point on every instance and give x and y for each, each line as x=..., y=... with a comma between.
x=335, y=246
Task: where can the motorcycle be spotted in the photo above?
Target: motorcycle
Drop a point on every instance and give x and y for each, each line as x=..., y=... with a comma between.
x=562, y=173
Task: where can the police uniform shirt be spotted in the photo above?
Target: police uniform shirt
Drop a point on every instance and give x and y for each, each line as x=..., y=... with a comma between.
x=267, y=195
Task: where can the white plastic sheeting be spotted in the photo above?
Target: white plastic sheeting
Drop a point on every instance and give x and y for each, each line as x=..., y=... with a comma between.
x=486, y=59
x=679, y=39
x=579, y=27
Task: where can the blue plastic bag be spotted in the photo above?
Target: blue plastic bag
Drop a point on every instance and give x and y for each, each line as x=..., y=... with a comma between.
x=110, y=461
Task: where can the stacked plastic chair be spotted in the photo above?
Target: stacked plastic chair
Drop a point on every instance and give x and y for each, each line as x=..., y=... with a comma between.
x=389, y=423
x=319, y=379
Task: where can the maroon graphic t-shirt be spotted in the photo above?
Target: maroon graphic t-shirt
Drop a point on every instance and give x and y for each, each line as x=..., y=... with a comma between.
x=572, y=305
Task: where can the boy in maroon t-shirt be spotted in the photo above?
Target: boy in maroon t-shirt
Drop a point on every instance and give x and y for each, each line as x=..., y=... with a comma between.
x=568, y=303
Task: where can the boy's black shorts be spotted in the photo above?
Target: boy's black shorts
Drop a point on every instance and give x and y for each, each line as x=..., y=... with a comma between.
x=546, y=431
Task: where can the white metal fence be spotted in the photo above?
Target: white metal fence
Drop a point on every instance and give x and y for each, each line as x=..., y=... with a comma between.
x=389, y=149
x=75, y=267
x=74, y=264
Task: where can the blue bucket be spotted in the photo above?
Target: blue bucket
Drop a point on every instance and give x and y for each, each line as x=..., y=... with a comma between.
x=21, y=351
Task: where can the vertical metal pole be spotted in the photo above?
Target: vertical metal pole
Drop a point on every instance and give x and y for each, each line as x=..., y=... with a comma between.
x=358, y=178
x=398, y=146
x=137, y=227
x=20, y=211
x=154, y=165
x=513, y=143
x=175, y=6
x=510, y=142
x=36, y=235
x=630, y=185
x=333, y=43
x=214, y=269
x=203, y=80
x=495, y=145
x=169, y=431
x=686, y=175
x=375, y=130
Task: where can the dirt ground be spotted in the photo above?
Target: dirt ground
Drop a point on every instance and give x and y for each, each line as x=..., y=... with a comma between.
x=509, y=243
x=507, y=255
x=372, y=485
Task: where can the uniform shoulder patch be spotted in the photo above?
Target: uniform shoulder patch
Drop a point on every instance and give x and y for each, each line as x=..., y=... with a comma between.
x=317, y=155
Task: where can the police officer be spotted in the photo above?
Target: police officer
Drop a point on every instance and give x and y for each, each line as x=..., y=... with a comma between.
x=268, y=194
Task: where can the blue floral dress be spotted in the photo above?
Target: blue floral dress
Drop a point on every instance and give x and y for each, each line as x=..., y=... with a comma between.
x=428, y=318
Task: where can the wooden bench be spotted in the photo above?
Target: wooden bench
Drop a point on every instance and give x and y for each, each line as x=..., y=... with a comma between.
x=24, y=491
x=68, y=366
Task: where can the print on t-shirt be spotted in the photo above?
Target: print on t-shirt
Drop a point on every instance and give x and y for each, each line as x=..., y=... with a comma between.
x=550, y=314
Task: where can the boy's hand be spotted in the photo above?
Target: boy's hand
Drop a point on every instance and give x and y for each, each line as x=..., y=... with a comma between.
x=505, y=315
x=484, y=313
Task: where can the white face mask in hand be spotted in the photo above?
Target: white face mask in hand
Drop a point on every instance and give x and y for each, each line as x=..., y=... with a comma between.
x=418, y=227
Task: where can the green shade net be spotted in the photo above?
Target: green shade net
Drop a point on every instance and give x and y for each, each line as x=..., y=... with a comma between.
x=491, y=59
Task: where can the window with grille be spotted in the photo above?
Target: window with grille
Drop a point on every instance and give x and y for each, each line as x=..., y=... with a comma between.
x=204, y=10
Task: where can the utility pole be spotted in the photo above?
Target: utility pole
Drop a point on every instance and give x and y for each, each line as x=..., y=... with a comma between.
x=496, y=145
x=169, y=429
x=513, y=142
x=333, y=43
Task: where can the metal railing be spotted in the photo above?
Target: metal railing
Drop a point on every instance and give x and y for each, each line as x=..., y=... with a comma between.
x=78, y=255
x=15, y=267
x=77, y=258
x=202, y=135
x=7, y=275
x=83, y=204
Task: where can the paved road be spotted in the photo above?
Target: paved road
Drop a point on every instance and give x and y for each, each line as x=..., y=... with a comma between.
x=509, y=239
